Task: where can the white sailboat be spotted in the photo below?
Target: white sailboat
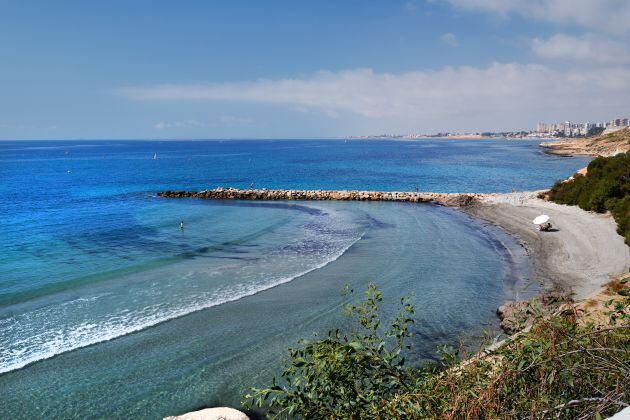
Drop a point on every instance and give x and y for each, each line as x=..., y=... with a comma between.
x=154, y=156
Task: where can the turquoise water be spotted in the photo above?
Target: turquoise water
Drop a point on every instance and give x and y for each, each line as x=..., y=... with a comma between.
x=108, y=310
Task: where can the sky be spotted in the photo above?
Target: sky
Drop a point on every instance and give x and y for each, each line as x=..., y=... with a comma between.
x=304, y=69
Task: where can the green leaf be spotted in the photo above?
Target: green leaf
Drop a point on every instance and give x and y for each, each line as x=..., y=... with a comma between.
x=356, y=345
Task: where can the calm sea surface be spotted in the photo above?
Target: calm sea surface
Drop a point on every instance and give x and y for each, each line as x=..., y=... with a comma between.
x=108, y=310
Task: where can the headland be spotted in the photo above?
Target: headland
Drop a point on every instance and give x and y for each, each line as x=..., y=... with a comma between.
x=604, y=145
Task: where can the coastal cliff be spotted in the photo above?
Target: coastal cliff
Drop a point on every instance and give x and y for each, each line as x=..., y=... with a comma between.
x=445, y=199
x=603, y=145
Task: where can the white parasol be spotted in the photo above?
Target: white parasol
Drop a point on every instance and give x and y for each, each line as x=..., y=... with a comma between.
x=543, y=218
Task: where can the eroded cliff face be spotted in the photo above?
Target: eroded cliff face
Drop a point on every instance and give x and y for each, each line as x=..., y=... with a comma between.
x=604, y=145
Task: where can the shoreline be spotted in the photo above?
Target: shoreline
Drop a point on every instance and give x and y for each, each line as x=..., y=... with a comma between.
x=581, y=255
x=578, y=257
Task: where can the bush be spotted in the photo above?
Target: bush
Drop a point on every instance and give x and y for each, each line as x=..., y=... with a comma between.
x=343, y=375
x=595, y=131
x=560, y=368
x=605, y=187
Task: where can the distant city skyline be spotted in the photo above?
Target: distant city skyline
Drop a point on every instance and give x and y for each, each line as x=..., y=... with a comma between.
x=281, y=69
x=542, y=129
x=573, y=128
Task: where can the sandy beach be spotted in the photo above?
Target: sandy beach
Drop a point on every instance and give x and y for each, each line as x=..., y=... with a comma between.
x=580, y=255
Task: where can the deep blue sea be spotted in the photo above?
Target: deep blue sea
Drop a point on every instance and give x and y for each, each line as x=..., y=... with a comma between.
x=108, y=310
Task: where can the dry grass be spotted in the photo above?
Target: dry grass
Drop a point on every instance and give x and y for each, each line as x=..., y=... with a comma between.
x=570, y=365
x=617, y=284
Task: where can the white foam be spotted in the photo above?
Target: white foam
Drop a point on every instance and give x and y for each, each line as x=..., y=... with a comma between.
x=41, y=346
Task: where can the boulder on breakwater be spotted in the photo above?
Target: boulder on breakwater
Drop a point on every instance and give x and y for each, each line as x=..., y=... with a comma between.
x=446, y=199
x=218, y=413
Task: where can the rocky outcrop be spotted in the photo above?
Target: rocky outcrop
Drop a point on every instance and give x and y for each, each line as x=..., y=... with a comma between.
x=445, y=199
x=604, y=145
x=517, y=315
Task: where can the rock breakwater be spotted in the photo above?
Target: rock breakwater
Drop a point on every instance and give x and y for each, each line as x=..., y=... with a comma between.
x=445, y=199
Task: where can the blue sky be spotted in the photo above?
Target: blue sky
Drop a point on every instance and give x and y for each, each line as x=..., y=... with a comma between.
x=252, y=69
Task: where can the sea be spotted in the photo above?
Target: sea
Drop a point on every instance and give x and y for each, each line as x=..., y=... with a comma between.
x=109, y=310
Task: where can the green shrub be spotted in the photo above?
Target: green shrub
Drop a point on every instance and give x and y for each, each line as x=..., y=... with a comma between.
x=595, y=131
x=621, y=211
x=605, y=187
x=343, y=375
x=560, y=368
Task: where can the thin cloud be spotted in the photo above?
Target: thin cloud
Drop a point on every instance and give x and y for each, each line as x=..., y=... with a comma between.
x=492, y=96
x=601, y=15
x=590, y=48
x=225, y=120
x=163, y=125
x=411, y=6
x=450, y=39
x=232, y=120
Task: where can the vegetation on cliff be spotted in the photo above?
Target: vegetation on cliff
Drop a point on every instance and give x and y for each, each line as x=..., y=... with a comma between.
x=562, y=367
x=605, y=187
x=345, y=374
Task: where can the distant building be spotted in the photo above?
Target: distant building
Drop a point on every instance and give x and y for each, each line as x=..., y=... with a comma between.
x=573, y=129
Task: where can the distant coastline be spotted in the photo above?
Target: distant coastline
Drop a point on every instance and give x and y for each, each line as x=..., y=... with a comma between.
x=448, y=136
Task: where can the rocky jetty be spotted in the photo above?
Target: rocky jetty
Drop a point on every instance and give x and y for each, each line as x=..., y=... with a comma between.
x=445, y=199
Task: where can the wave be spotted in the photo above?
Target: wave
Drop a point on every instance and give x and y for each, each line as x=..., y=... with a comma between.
x=90, y=333
x=52, y=288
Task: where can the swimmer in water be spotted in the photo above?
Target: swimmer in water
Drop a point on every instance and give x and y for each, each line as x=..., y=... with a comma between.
x=181, y=226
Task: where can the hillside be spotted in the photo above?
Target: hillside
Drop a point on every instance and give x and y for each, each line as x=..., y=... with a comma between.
x=605, y=187
x=570, y=363
x=603, y=145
